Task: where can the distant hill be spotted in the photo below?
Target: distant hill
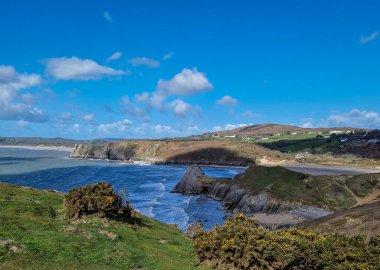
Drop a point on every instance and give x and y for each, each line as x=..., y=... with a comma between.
x=272, y=129
x=37, y=141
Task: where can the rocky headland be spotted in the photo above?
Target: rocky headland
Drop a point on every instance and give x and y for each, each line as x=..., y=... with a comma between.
x=275, y=196
x=178, y=152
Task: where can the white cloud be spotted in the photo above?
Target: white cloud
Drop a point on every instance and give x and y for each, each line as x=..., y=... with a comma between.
x=157, y=101
x=74, y=68
x=307, y=125
x=76, y=128
x=168, y=56
x=13, y=105
x=114, y=56
x=115, y=127
x=108, y=17
x=369, y=38
x=142, y=98
x=228, y=127
x=180, y=107
x=227, y=100
x=143, y=61
x=187, y=82
x=23, y=124
x=66, y=116
x=162, y=128
x=89, y=117
x=354, y=118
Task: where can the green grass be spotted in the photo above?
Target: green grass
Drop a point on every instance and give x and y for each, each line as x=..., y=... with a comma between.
x=35, y=221
x=288, y=186
x=363, y=184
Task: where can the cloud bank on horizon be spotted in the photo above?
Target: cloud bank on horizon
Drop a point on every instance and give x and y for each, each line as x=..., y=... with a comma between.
x=147, y=76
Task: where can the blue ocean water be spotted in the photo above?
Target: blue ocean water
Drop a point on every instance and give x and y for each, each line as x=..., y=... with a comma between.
x=148, y=186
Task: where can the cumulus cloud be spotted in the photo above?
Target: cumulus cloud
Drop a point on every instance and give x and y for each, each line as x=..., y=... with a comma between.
x=369, y=38
x=143, y=61
x=187, y=82
x=108, y=17
x=114, y=56
x=66, y=116
x=115, y=127
x=74, y=68
x=76, y=128
x=89, y=117
x=162, y=128
x=13, y=105
x=168, y=56
x=181, y=108
x=227, y=100
x=354, y=118
x=143, y=97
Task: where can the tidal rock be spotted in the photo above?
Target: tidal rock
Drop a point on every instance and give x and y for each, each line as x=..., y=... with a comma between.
x=191, y=182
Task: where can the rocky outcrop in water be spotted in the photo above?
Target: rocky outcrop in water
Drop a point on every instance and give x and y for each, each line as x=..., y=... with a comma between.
x=241, y=200
x=191, y=182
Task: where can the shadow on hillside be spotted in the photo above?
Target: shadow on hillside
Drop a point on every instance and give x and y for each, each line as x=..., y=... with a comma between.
x=211, y=156
x=321, y=146
x=129, y=219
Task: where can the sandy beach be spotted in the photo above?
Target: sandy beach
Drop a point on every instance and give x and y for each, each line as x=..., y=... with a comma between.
x=39, y=147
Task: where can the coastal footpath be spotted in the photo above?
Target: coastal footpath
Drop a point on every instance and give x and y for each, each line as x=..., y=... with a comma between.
x=179, y=152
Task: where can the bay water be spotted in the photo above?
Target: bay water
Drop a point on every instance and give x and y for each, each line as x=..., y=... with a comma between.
x=148, y=186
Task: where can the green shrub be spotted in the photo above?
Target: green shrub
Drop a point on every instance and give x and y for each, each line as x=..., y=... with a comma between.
x=98, y=198
x=242, y=244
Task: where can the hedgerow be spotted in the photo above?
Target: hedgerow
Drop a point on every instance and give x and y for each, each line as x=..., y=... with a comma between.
x=243, y=244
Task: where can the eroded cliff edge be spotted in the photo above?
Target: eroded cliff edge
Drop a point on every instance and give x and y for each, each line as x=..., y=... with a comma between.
x=277, y=196
x=178, y=152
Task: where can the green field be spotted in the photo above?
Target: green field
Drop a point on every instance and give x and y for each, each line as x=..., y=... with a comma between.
x=35, y=235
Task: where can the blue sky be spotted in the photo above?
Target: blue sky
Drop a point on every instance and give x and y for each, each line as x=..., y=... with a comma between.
x=150, y=69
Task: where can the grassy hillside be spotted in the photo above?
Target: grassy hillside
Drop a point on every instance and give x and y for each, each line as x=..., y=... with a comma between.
x=361, y=220
x=333, y=192
x=35, y=235
x=185, y=152
x=271, y=129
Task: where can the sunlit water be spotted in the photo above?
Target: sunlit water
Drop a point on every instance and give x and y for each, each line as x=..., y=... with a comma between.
x=148, y=186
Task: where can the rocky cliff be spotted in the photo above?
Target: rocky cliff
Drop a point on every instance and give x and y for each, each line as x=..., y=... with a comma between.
x=275, y=195
x=191, y=182
x=178, y=152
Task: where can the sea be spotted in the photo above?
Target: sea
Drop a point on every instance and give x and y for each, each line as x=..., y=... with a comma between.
x=148, y=186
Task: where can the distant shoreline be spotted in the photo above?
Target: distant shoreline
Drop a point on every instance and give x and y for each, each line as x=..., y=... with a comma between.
x=39, y=147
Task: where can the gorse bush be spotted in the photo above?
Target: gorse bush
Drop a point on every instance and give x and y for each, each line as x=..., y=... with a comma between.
x=98, y=198
x=242, y=244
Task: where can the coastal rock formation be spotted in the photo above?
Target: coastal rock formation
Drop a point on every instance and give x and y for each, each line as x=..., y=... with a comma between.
x=191, y=182
x=275, y=195
x=178, y=152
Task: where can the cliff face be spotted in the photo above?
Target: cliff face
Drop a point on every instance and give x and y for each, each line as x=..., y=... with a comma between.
x=235, y=197
x=275, y=195
x=240, y=200
x=178, y=152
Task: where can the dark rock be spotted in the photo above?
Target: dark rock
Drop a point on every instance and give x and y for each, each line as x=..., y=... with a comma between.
x=219, y=190
x=191, y=182
x=233, y=197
